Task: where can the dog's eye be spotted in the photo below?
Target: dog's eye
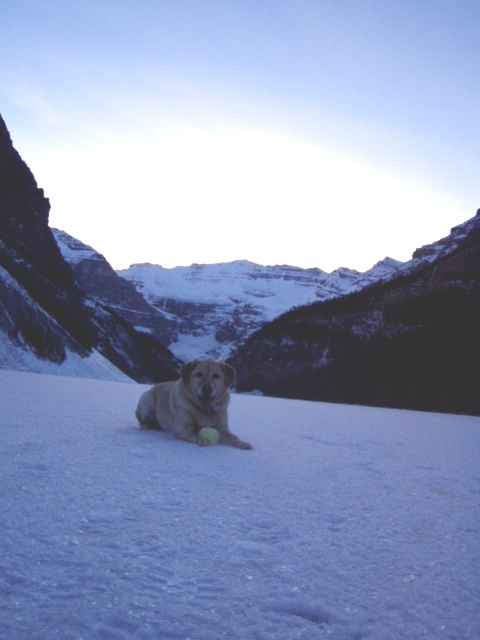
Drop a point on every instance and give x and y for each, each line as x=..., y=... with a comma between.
x=216, y=376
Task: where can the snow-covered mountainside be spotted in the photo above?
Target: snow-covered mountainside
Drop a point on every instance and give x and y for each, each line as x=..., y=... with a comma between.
x=211, y=309
x=214, y=307
x=344, y=522
x=28, y=333
x=74, y=251
x=96, y=277
x=450, y=243
x=409, y=342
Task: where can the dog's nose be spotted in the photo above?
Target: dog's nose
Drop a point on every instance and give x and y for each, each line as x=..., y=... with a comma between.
x=207, y=391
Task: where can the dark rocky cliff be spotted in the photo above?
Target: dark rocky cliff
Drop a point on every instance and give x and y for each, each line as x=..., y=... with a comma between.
x=411, y=342
x=42, y=308
x=27, y=248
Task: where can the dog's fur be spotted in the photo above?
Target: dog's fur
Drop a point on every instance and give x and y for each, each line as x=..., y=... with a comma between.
x=199, y=398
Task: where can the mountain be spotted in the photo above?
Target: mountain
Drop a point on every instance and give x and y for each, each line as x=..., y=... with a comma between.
x=212, y=308
x=347, y=523
x=410, y=341
x=100, y=282
x=32, y=340
x=46, y=320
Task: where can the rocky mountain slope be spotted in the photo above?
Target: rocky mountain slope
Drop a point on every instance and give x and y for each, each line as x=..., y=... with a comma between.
x=212, y=308
x=411, y=341
x=46, y=320
x=100, y=282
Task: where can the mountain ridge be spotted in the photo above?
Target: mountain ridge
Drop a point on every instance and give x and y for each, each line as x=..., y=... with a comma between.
x=409, y=342
x=210, y=309
x=216, y=306
x=46, y=320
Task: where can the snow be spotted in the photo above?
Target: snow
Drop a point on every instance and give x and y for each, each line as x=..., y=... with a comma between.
x=19, y=356
x=436, y=250
x=142, y=329
x=345, y=522
x=187, y=346
x=223, y=283
x=72, y=250
x=249, y=293
x=275, y=289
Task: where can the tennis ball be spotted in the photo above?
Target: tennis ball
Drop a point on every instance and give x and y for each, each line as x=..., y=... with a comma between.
x=208, y=436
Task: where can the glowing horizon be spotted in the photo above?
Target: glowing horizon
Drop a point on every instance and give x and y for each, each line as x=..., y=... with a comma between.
x=169, y=193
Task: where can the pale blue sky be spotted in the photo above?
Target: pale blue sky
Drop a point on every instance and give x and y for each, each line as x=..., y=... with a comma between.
x=323, y=133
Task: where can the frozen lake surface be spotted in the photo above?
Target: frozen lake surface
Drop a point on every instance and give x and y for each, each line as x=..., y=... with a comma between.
x=346, y=523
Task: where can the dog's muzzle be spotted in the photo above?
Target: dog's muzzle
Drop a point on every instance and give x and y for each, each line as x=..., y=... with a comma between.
x=206, y=394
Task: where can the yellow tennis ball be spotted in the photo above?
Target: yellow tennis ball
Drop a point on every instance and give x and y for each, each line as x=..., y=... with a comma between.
x=208, y=436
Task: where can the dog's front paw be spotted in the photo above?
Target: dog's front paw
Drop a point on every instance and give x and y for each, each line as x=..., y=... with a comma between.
x=241, y=444
x=230, y=439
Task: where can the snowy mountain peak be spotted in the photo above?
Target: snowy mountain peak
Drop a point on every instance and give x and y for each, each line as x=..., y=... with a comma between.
x=385, y=268
x=233, y=265
x=389, y=263
x=344, y=272
x=72, y=249
x=435, y=250
x=216, y=306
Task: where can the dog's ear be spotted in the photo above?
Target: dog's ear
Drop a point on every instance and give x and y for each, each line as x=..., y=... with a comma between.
x=186, y=371
x=229, y=373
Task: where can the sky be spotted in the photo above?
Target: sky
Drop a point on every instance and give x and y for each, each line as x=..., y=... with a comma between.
x=313, y=133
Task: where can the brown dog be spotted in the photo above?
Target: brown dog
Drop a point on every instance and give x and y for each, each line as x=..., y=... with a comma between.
x=198, y=399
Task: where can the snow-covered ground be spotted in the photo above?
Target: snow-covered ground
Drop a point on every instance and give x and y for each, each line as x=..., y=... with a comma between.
x=20, y=358
x=345, y=522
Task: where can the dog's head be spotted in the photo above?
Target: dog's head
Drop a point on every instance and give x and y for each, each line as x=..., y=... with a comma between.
x=208, y=381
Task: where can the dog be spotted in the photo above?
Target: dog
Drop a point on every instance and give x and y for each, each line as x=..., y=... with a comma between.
x=198, y=399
